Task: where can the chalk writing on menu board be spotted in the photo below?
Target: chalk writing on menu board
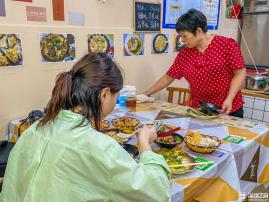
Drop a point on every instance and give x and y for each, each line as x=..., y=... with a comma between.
x=147, y=17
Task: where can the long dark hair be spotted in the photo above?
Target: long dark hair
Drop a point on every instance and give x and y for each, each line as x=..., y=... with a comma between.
x=82, y=86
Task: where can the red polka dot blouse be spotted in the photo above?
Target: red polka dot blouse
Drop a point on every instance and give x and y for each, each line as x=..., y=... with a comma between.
x=210, y=73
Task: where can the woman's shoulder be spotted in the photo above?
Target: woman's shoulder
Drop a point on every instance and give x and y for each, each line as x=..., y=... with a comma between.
x=223, y=40
x=185, y=52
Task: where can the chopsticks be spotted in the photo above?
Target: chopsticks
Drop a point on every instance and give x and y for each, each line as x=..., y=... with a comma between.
x=169, y=132
x=191, y=164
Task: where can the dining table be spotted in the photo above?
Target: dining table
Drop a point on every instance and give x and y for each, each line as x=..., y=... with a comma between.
x=238, y=165
x=241, y=162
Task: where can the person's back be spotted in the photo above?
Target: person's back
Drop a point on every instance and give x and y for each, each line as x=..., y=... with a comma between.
x=65, y=160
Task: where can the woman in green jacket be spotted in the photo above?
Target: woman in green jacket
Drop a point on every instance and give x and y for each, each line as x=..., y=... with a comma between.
x=62, y=158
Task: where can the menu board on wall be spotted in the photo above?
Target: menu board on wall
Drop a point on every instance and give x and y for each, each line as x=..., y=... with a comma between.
x=173, y=9
x=147, y=17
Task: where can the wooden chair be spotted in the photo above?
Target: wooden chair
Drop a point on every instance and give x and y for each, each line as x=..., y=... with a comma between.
x=184, y=96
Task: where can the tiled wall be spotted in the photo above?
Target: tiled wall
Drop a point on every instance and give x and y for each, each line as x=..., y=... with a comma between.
x=256, y=109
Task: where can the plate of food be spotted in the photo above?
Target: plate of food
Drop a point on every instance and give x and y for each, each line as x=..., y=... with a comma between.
x=198, y=142
x=134, y=44
x=98, y=43
x=126, y=124
x=178, y=161
x=160, y=43
x=209, y=108
x=54, y=47
x=169, y=141
x=198, y=114
x=113, y=134
x=104, y=125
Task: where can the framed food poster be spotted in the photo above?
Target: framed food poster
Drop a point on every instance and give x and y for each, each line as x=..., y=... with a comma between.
x=133, y=44
x=160, y=43
x=101, y=43
x=57, y=47
x=147, y=17
x=10, y=50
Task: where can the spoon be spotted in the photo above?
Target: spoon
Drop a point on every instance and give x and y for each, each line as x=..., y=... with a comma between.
x=127, y=136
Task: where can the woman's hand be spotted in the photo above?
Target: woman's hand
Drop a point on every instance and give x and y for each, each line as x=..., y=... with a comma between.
x=239, y=76
x=227, y=106
x=146, y=136
x=146, y=93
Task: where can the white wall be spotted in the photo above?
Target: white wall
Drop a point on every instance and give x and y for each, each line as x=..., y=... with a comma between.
x=29, y=87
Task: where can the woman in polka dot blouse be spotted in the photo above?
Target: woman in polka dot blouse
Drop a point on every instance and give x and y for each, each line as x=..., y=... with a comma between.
x=213, y=65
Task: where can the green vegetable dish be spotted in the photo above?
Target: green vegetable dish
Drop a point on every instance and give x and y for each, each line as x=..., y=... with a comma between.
x=177, y=160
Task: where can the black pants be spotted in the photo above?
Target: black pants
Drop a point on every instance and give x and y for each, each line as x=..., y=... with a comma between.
x=239, y=113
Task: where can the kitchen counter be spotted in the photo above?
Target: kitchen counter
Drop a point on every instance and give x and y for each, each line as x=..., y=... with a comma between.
x=253, y=93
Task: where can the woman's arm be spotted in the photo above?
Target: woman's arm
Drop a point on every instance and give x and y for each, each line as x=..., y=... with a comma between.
x=237, y=83
x=147, y=180
x=163, y=82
